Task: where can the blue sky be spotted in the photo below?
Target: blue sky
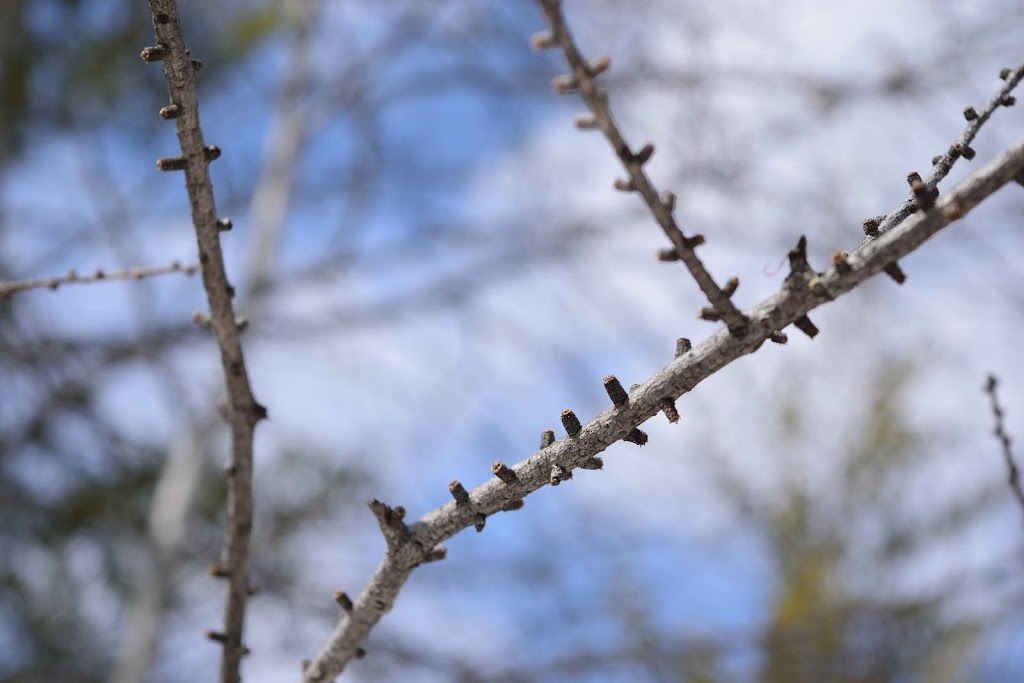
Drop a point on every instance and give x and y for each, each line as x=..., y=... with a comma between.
x=460, y=176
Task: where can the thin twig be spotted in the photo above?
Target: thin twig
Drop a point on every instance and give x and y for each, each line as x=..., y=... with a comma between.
x=11, y=287
x=243, y=411
x=412, y=545
x=942, y=164
x=1013, y=473
x=661, y=206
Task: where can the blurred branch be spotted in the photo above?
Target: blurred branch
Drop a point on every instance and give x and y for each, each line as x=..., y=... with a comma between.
x=1013, y=473
x=11, y=287
x=661, y=206
x=288, y=131
x=412, y=545
x=172, y=500
x=243, y=411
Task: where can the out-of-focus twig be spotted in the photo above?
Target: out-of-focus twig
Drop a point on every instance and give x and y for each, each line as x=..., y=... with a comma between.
x=1013, y=473
x=11, y=287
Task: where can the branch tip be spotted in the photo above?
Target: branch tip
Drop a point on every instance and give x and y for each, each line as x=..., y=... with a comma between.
x=585, y=121
x=598, y=65
x=624, y=185
x=798, y=256
x=971, y=114
x=436, y=554
x=730, y=286
x=201, y=319
x=547, y=437
x=804, y=324
x=645, y=154
x=479, y=521
x=217, y=572
x=894, y=271
x=668, y=255
x=514, y=505
x=570, y=422
x=708, y=313
x=924, y=196
x=344, y=602
x=840, y=262
x=636, y=436
x=692, y=243
x=170, y=112
x=871, y=225
x=668, y=406
x=543, y=40
x=503, y=472
x=615, y=391
x=459, y=492
x=563, y=84
x=171, y=163
x=779, y=337
x=154, y=53
x=592, y=463
x=683, y=346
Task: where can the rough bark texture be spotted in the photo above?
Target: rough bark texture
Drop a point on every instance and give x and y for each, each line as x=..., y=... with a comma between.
x=410, y=546
x=243, y=411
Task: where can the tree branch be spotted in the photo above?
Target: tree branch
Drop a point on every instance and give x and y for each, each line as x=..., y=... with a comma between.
x=1012, y=471
x=11, y=287
x=243, y=410
x=661, y=205
x=412, y=545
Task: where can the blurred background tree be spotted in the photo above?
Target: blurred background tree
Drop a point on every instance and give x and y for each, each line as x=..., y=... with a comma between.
x=433, y=266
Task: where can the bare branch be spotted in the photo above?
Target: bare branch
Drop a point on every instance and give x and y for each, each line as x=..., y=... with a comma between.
x=1013, y=473
x=11, y=287
x=942, y=164
x=413, y=546
x=243, y=411
x=660, y=204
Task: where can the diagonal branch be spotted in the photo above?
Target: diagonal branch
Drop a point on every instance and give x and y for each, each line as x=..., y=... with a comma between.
x=942, y=164
x=243, y=411
x=596, y=98
x=412, y=545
